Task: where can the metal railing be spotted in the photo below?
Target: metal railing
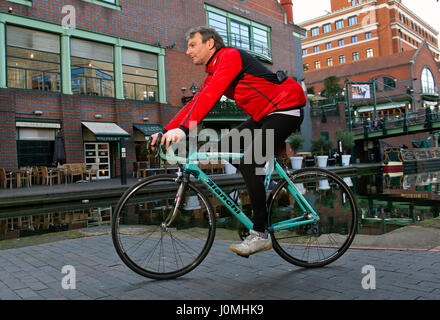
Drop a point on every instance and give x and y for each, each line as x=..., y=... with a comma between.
x=424, y=117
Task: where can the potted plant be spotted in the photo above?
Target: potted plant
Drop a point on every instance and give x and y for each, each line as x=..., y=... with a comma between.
x=296, y=141
x=347, y=141
x=321, y=147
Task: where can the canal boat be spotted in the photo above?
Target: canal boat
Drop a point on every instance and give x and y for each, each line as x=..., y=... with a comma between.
x=420, y=159
x=392, y=159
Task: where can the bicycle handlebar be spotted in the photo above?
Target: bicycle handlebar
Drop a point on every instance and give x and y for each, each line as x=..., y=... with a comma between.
x=170, y=156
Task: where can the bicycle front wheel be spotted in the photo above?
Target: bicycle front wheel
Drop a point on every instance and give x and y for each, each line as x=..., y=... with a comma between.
x=321, y=242
x=143, y=237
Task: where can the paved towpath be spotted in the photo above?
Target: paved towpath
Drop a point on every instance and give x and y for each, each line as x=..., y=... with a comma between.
x=35, y=272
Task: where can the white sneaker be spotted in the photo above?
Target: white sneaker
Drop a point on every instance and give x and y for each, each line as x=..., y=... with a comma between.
x=252, y=244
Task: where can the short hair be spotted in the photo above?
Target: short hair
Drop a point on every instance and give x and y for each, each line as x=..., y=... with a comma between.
x=206, y=33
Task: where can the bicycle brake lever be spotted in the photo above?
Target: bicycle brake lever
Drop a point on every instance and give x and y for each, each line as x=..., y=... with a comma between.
x=156, y=146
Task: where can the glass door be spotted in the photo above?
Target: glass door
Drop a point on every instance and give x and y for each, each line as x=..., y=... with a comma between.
x=97, y=156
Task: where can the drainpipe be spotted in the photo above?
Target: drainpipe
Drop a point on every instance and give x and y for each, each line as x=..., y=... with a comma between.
x=282, y=11
x=413, y=98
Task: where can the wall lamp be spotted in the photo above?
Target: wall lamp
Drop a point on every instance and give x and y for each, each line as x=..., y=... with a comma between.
x=38, y=112
x=146, y=119
x=98, y=116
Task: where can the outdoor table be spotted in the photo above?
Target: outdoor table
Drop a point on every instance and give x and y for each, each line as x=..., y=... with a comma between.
x=58, y=172
x=18, y=173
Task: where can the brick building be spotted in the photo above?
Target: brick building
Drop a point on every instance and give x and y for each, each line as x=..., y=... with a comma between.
x=102, y=70
x=406, y=84
x=362, y=41
x=358, y=30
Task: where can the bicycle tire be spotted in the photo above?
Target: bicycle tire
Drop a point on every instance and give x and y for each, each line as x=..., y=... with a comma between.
x=137, y=224
x=320, y=243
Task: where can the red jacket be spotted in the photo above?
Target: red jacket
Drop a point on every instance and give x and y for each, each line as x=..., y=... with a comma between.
x=239, y=76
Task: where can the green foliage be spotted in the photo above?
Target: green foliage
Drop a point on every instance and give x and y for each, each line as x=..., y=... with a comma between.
x=321, y=146
x=347, y=139
x=296, y=141
x=331, y=87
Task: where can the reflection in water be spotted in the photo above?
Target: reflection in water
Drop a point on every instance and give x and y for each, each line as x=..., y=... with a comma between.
x=393, y=200
x=28, y=225
x=386, y=202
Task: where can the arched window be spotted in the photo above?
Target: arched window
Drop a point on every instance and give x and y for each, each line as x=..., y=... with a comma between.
x=428, y=85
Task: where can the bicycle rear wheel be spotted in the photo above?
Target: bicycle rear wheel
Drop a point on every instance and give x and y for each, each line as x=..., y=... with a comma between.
x=319, y=243
x=144, y=242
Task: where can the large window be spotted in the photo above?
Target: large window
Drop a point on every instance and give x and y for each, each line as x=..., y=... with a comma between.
x=369, y=53
x=140, y=75
x=339, y=24
x=33, y=59
x=352, y=20
x=355, y=56
x=317, y=65
x=428, y=84
x=329, y=62
x=241, y=33
x=342, y=59
x=327, y=28
x=92, y=68
x=314, y=31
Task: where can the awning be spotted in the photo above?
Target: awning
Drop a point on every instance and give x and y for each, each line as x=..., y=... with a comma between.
x=37, y=123
x=106, y=131
x=148, y=129
x=384, y=106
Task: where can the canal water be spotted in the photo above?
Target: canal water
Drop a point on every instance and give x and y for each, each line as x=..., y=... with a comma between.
x=386, y=202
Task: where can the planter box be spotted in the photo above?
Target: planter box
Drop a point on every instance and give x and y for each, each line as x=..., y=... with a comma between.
x=346, y=159
x=322, y=161
x=296, y=162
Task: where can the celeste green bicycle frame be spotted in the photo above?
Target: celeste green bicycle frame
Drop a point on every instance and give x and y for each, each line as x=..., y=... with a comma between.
x=191, y=167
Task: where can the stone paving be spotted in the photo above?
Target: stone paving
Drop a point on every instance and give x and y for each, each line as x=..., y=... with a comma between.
x=35, y=272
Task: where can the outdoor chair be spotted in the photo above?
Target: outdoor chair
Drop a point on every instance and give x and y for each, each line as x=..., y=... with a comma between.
x=93, y=171
x=75, y=170
x=35, y=175
x=5, y=178
x=49, y=176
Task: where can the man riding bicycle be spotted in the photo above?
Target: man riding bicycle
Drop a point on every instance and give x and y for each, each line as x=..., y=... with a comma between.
x=272, y=100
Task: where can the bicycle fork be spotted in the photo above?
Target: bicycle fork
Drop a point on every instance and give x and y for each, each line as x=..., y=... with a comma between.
x=177, y=200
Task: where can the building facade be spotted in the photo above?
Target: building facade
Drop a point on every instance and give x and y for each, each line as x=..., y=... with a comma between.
x=358, y=30
x=99, y=71
x=406, y=84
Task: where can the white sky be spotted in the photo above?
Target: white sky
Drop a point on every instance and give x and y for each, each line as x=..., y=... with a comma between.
x=428, y=10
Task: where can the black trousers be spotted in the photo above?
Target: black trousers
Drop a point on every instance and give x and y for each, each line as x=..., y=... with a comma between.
x=280, y=127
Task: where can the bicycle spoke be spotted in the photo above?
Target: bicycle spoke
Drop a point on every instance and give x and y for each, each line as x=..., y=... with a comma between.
x=323, y=241
x=171, y=252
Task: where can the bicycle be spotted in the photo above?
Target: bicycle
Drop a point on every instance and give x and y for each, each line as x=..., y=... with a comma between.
x=164, y=226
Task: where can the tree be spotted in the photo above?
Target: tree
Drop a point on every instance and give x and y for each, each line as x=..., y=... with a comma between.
x=347, y=140
x=296, y=141
x=331, y=87
x=321, y=146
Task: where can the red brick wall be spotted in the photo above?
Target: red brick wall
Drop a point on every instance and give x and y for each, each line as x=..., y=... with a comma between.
x=146, y=21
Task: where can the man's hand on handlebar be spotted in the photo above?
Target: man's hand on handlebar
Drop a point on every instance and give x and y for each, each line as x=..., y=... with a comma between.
x=172, y=136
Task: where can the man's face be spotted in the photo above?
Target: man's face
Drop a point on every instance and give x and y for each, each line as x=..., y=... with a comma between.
x=199, y=51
